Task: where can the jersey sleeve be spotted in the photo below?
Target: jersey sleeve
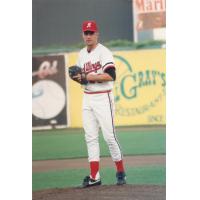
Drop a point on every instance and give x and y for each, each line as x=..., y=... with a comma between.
x=111, y=72
x=107, y=60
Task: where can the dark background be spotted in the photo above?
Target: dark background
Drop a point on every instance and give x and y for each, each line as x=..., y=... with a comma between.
x=58, y=22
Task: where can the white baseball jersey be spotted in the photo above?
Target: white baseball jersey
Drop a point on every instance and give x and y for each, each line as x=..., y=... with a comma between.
x=96, y=62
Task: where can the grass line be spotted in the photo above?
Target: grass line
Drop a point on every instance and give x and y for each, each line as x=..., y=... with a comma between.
x=59, y=145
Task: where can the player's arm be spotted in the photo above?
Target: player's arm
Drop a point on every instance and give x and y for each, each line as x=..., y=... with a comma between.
x=108, y=75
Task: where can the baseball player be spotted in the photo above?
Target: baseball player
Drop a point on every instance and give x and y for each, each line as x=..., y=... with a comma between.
x=98, y=103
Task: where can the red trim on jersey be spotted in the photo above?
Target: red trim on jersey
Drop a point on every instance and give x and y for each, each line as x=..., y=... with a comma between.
x=90, y=67
x=94, y=70
x=98, y=92
x=108, y=63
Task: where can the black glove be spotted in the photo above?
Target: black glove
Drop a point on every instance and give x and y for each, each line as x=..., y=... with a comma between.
x=74, y=71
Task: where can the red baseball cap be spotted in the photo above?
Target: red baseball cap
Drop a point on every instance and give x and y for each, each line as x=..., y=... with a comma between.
x=89, y=26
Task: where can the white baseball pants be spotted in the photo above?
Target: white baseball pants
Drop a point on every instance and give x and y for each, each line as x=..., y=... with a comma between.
x=98, y=111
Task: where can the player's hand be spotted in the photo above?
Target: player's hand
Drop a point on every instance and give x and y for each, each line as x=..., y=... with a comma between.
x=77, y=77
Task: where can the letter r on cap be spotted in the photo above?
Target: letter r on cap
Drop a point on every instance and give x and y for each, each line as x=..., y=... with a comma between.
x=89, y=25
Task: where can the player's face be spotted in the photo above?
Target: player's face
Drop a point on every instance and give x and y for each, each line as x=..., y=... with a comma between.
x=90, y=38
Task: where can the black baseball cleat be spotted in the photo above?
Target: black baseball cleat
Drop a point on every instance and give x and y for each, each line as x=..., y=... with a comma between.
x=89, y=182
x=121, y=178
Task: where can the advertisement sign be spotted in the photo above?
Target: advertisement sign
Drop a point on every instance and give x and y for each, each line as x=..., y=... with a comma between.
x=48, y=92
x=139, y=89
x=149, y=14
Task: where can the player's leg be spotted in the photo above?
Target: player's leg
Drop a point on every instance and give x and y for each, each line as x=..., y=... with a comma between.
x=91, y=128
x=104, y=112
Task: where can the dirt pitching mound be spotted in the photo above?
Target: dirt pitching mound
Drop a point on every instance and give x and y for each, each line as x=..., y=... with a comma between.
x=105, y=192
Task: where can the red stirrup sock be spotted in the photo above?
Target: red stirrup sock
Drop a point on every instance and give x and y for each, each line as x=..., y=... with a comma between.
x=94, y=168
x=119, y=165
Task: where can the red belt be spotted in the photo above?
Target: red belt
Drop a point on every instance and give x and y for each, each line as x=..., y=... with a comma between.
x=98, y=92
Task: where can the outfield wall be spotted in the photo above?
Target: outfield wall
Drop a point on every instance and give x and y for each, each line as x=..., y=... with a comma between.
x=139, y=90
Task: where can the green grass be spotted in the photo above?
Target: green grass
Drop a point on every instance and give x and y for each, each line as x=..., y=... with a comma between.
x=71, y=178
x=61, y=144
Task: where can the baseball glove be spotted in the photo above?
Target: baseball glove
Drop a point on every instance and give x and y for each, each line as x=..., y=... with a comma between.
x=74, y=71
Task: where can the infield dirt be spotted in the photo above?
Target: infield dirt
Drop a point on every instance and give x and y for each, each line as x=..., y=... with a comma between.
x=105, y=192
x=132, y=161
